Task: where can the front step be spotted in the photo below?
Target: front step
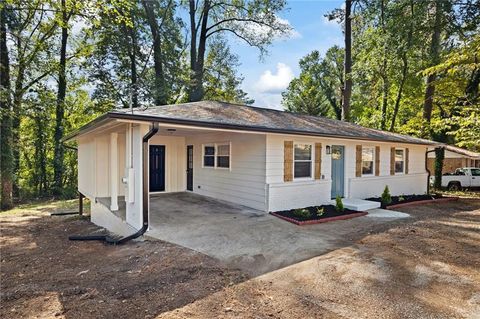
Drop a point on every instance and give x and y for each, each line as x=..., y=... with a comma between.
x=359, y=204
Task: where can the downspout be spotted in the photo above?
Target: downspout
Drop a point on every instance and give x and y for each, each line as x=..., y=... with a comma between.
x=145, y=198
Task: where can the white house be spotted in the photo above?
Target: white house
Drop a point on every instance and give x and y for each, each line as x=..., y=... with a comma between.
x=261, y=158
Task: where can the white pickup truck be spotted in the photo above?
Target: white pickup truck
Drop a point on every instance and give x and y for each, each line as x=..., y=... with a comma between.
x=461, y=178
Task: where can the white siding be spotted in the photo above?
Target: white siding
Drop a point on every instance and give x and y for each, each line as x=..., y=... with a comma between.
x=301, y=193
x=244, y=182
x=86, y=167
x=175, y=161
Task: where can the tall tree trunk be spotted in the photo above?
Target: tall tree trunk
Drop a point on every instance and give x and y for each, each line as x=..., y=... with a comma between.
x=396, y=107
x=16, y=110
x=160, y=85
x=347, y=90
x=197, y=64
x=133, y=68
x=435, y=56
x=386, y=86
x=400, y=90
x=59, y=151
x=472, y=88
x=6, y=156
x=193, y=45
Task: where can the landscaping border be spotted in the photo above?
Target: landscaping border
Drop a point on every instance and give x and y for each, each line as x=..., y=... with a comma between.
x=426, y=201
x=319, y=221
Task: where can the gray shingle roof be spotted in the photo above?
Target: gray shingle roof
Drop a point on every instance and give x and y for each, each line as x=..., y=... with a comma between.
x=263, y=119
x=242, y=117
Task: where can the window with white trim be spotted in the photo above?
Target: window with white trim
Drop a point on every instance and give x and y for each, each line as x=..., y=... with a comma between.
x=216, y=155
x=399, y=161
x=223, y=156
x=209, y=156
x=368, y=155
x=302, y=157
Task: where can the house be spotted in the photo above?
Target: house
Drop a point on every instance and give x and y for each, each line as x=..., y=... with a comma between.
x=265, y=159
x=455, y=157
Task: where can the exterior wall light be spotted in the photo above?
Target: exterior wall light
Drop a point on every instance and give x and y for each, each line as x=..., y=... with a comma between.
x=328, y=149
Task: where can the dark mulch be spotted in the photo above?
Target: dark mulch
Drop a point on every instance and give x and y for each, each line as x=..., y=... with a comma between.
x=406, y=199
x=329, y=211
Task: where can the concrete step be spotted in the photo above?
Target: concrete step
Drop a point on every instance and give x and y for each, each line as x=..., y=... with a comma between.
x=359, y=204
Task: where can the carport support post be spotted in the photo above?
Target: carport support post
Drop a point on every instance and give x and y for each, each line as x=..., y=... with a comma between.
x=113, y=171
x=80, y=203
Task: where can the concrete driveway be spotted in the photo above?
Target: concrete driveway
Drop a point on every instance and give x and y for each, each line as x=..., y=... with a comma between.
x=245, y=238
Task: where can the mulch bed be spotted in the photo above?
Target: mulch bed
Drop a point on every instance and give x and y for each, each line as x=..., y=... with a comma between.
x=330, y=214
x=407, y=200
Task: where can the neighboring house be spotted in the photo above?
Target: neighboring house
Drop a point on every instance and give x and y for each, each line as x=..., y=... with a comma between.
x=455, y=157
x=261, y=158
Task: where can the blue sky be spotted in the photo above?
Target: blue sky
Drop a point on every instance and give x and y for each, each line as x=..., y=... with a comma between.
x=264, y=80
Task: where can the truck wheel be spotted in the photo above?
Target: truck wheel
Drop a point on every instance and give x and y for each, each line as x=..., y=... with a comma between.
x=454, y=186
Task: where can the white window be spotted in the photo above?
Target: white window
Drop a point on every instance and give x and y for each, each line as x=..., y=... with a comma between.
x=302, y=161
x=216, y=155
x=209, y=155
x=223, y=156
x=368, y=155
x=399, y=161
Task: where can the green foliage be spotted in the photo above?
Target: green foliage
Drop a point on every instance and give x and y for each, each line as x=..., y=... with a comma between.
x=386, y=198
x=320, y=211
x=339, y=204
x=302, y=213
x=317, y=90
x=401, y=198
x=221, y=82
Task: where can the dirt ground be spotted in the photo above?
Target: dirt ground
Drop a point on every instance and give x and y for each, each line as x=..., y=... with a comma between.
x=427, y=266
x=44, y=275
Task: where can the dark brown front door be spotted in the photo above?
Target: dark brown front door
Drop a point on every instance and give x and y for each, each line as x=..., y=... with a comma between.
x=190, y=167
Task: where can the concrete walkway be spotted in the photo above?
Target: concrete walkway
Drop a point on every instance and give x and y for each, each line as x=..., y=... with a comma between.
x=245, y=238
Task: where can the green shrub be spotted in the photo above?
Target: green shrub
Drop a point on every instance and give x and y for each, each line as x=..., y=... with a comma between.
x=339, y=204
x=320, y=211
x=386, y=197
x=401, y=198
x=302, y=213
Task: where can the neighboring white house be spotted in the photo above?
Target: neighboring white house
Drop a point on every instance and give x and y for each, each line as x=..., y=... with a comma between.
x=261, y=158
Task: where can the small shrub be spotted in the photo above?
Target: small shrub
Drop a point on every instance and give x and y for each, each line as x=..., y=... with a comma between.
x=401, y=198
x=339, y=204
x=302, y=213
x=386, y=197
x=320, y=211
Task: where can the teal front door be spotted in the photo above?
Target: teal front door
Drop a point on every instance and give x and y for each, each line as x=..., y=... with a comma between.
x=338, y=170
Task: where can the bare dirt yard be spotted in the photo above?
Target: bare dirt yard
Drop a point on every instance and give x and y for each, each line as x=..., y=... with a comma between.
x=427, y=266
x=44, y=275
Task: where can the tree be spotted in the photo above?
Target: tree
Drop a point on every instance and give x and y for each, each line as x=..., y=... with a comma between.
x=135, y=58
x=317, y=91
x=221, y=81
x=254, y=22
x=58, y=156
x=434, y=57
x=6, y=159
x=347, y=91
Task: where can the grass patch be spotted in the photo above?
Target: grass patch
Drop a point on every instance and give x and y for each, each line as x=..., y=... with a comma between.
x=46, y=207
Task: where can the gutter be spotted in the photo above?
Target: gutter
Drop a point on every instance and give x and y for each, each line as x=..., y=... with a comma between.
x=145, y=198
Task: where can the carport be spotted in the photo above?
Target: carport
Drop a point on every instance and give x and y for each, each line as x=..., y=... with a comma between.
x=245, y=238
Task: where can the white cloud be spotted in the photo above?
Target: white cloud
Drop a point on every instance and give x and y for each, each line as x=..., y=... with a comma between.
x=252, y=29
x=275, y=83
